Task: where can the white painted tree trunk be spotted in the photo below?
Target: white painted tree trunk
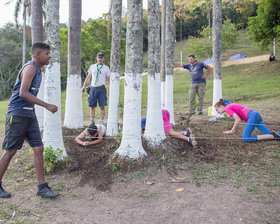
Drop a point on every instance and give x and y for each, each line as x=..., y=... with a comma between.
x=217, y=54
x=73, y=106
x=37, y=36
x=154, y=133
x=52, y=93
x=131, y=144
x=162, y=87
x=169, y=97
x=113, y=117
x=38, y=109
x=169, y=59
x=163, y=49
x=114, y=93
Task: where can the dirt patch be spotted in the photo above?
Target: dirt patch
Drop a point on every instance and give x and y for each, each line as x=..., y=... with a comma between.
x=91, y=160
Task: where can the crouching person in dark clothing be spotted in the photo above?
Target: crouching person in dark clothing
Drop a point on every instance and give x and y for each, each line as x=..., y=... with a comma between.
x=21, y=121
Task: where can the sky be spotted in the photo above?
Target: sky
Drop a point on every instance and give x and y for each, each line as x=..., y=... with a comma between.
x=90, y=9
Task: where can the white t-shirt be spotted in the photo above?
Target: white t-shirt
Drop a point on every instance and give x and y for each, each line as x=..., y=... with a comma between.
x=99, y=74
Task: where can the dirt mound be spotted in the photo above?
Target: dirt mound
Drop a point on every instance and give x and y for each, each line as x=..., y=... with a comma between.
x=212, y=146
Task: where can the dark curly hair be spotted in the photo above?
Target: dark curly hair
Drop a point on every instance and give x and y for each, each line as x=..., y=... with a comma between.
x=91, y=129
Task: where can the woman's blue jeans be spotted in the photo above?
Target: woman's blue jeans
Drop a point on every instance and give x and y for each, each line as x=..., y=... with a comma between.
x=254, y=121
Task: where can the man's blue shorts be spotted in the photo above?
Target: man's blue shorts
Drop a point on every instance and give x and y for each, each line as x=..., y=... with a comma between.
x=97, y=94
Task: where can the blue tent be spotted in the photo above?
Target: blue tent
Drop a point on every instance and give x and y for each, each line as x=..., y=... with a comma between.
x=237, y=56
x=208, y=61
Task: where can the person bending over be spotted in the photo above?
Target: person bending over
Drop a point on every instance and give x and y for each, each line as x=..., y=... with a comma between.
x=169, y=131
x=92, y=135
x=252, y=118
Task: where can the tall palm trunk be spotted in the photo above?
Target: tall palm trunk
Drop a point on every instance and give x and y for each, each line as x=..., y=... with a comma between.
x=169, y=58
x=217, y=53
x=25, y=4
x=37, y=36
x=154, y=132
x=163, y=43
x=52, y=93
x=73, y=106
x=131, y=144
x=112, y=124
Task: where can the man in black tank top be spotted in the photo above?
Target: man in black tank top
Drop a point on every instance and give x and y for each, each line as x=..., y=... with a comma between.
x=21, y=121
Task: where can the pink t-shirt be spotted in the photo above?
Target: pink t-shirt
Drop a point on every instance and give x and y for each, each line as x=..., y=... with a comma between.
x=166, y=120
x=241, y=111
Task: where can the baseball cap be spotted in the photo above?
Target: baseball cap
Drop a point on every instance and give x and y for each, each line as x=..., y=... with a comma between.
x=100, y=54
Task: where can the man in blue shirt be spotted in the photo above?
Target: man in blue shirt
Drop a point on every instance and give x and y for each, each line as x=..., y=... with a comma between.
x=198, y=82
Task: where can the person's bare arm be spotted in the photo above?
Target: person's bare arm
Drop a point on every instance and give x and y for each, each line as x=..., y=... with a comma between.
x=26, y=78
x=236, y=122
x=177, y=65
x=86, y=82
x=79, y=138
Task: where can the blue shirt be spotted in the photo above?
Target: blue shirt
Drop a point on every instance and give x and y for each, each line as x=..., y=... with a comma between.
x=196, y=71
x=17, y=104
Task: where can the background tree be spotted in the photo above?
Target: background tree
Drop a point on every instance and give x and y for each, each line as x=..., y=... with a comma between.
x=265, y=27
x=26, y=5
x=217, y=54
x=10, y=57
x=74, y=107
x=52, y=93
x=154, y=132
x=37, y=36
x=169, y=60
x=202, y=47
x=112, y=124
x=131, y=144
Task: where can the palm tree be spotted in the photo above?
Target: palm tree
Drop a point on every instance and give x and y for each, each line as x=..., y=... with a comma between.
x=52, y=93
x=131, y=144
x=163, y=43
x=112, y=126
x=169, y=58
x=37, y=36
x=154, y=132
x=73, y=106
x=26, y=4
x=217, y=53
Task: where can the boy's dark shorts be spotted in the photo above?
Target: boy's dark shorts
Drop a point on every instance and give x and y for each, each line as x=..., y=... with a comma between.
x=97, y=94
x=19, y=128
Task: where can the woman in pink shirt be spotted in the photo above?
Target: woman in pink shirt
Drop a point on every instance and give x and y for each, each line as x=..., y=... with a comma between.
x=252, y=119
x=169, y=131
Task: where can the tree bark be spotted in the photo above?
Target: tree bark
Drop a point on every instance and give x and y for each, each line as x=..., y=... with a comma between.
x=163, y=49
x=217, y=54
x=112, y=125
x=37, y=36
x=131, y=144
x=169, y=58
x=52, y=93
x=154, y=132
x=73, y=105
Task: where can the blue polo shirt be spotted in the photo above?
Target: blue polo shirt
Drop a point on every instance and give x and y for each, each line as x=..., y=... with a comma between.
x=196, y=71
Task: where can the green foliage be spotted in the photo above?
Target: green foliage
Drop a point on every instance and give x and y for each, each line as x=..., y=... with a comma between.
x=10, y=57
x=118, y=138
x=264, y=27
x=51, y=157
x=93, y=40
x=203, y=47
